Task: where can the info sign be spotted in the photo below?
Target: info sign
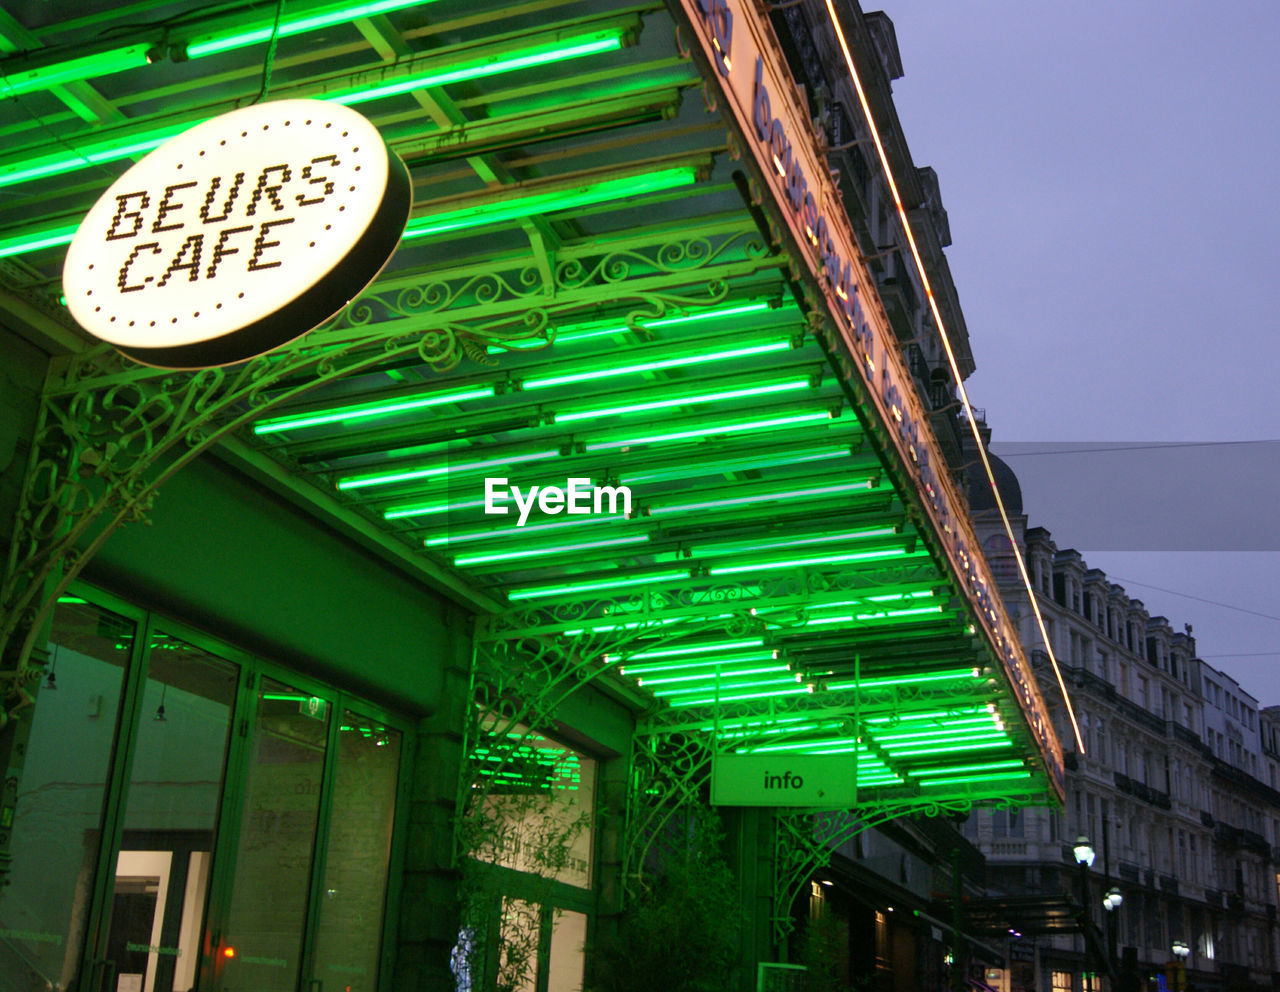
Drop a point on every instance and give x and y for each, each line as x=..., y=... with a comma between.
x=809, y=781
x=238, y=235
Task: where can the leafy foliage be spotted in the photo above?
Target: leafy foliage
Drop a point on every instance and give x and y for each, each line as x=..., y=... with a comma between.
x=681, y=933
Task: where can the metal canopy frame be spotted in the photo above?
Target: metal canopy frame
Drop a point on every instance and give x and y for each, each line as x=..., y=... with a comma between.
x=777, y=583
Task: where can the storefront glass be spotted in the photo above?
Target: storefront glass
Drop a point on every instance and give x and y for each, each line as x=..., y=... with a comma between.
x=58, y=819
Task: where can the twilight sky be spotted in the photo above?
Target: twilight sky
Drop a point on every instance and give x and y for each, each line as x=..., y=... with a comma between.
x=1112, y=176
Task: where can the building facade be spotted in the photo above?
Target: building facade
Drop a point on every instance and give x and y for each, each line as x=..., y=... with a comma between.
x=1173, y=787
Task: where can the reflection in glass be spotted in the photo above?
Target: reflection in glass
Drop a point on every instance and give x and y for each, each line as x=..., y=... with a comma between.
x=348, y=939
x=58, y=818
x=171, y=808
x=539, y=802
x=277, y=836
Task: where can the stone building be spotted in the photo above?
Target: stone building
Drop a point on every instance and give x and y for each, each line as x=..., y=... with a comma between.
x=1174, y=787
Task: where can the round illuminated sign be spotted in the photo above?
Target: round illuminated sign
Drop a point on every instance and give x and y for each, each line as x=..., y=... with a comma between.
x=238, y=235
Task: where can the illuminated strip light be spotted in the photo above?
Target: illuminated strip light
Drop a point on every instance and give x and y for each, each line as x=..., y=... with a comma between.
x=464, y=560
x=1004, y=777
x=952, y=736
x=965, y=725
x=882, y=615
x=823, y=560
x=729, y=682
x=903, y=680
x=429, y=509
x=694, y=667
x=546, y=592
x=513, y=531
x=867, y=485
x=728, y=676
x=685, y=400
x=364, y=481
x=111, y=151
x=736, y=465
x=730, y=547
x=597, y=371
x=50, y=237
x=933, y=715
x=134, y=56
x=492, y=211
x=73, y=70
x=925, y=752
x=954, y=366
x=714, y=430
x=990, y=766
x=635, y=624
x=681, y=703
x=754, y=642
x=366, y=411
x=222, y=41
x=577, y=333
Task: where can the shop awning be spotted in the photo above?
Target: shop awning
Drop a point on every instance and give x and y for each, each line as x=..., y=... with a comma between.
x=589, y=290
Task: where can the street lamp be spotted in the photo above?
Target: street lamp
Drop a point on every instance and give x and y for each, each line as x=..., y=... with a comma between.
x=1111, y=902
x=1181, y=950
x=1083, y=851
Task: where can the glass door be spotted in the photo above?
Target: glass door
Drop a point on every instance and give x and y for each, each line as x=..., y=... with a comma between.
x=154, y=906
x=347, y=938
x=260, y=946
x=62, y=801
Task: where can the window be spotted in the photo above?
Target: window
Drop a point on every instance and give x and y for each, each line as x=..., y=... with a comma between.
x=174, y=829
x=527, y=926
x=1061, y=981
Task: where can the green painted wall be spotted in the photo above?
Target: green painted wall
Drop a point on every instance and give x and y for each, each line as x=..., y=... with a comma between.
x=224, y=554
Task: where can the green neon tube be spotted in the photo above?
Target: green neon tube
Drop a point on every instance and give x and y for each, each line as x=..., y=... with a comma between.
x=694, y=664
x=95, y=154
x=970, y=732
x=684, y=400
x=72, y=70
x=798, y=420
x=259, y=31
x=514, y=531
x=576, y=333
x=752, y=642
x=822, y=560
x=429, y=509
x=599, y=41
x=127, y=146
x=990, y=766
x=731, y=680
x=865, y=757
x=573, y=588
x=726, y=685
x=369, y=411
x=596, y=370
x=49, y=237
x=601, y=191
x=731, y=547
x=976, y=746
x=965, y=724
x=428, y=471
x=788, y=722
x=556, y=549
x=1006, y=777
x=869, y=617
x=699, y=469
x=681, y=702
x=966, y=673
x=135, y=56
x=864, y=486
x=935, y=716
